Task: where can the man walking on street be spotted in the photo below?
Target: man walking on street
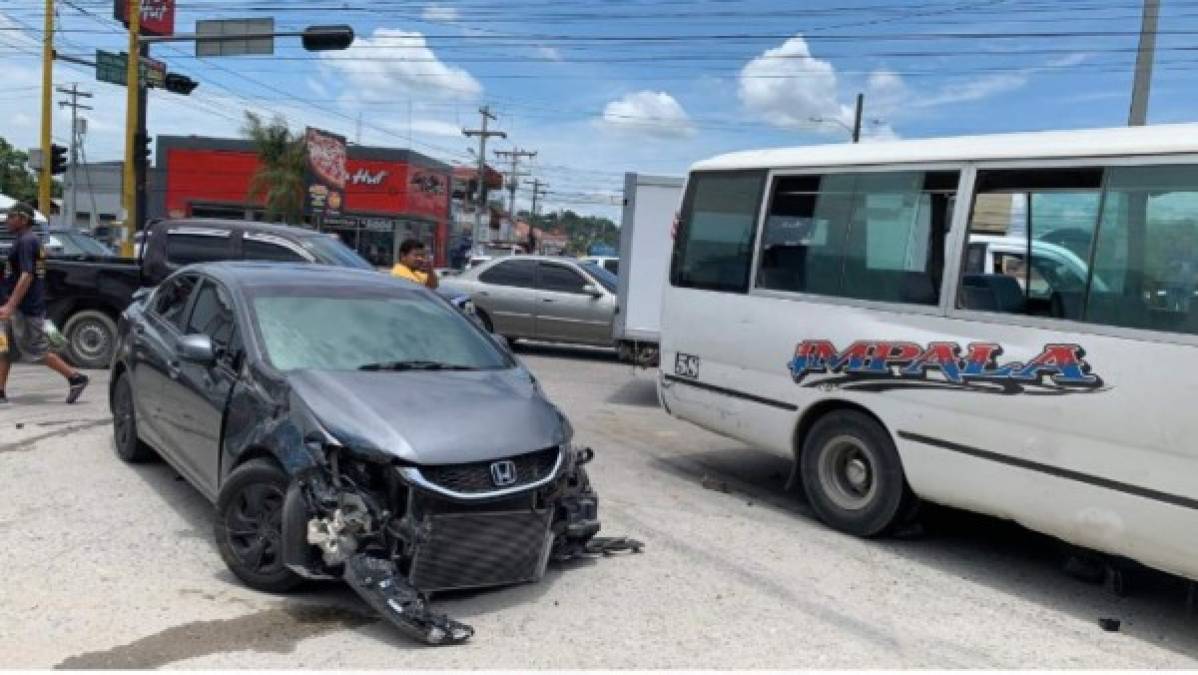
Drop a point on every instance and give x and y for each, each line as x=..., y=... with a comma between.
x=23, y=312
x=414, y=266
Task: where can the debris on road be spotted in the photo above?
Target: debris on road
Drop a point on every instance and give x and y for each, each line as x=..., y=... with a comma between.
x=714, y=484
x=1110, y=625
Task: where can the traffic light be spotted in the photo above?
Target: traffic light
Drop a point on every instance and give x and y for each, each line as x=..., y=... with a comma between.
x=327, y=38
x=58, y=159
x=141, y=148
x=180, y=84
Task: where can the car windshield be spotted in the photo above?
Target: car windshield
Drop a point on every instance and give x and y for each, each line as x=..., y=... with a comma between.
x=81, y=244
x=357, y=329
x=331, y=251
x=604, y=277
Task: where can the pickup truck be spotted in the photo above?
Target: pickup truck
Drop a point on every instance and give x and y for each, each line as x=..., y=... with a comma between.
x=85, y=295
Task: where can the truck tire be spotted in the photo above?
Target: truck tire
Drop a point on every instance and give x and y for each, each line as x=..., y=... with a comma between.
x=91, y=339
x=853, y=476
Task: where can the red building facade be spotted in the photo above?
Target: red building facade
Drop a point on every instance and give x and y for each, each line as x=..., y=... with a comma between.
x=392, y=194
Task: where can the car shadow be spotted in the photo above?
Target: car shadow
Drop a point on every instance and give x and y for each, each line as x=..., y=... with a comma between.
x=556, y=350
x=999, y=554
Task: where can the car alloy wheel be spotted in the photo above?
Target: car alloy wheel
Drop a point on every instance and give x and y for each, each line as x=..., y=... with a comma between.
x=254, y=526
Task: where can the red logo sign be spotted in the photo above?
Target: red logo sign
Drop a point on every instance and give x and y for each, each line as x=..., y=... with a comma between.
x=157, y=16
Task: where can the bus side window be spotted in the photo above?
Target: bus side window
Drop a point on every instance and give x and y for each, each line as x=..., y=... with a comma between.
x=867, y=236
x=1036, y=228
x=1146, y=253
x=713, y=249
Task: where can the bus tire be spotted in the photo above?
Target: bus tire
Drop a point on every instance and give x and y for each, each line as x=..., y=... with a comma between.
x=853, y=476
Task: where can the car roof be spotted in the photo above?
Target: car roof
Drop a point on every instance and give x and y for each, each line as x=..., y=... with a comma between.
x=250, y=273
x=292, y=231
x=1159, y=139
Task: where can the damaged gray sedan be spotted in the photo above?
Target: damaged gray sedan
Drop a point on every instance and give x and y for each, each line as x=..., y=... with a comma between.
x=349, y=425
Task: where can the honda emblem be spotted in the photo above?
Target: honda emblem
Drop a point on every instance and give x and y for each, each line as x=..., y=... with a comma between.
x=503, y=473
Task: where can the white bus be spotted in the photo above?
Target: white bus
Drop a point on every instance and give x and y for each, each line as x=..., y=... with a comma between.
x=1006, y=324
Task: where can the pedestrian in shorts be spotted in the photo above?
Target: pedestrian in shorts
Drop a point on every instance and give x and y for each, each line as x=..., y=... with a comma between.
x=23, y=308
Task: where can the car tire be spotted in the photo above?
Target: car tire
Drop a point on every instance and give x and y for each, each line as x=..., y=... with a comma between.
x=91, y=339
x=248, y=527
x=124, y=424
x=853, y=476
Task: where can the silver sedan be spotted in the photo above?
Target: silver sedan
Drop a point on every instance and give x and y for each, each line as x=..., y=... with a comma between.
x=542, y=298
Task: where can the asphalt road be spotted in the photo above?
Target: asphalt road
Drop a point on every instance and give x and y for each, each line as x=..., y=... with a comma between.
x=111, y=565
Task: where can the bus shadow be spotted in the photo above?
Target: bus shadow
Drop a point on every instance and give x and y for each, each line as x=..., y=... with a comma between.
x=996, y=553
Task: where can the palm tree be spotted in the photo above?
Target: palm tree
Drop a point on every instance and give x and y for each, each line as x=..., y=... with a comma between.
x=282, y=165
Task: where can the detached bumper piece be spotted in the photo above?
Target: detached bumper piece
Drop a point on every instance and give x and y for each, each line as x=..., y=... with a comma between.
x=383, y=588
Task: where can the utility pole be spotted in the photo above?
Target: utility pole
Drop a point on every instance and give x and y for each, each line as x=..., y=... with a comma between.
x=857, y=118
x=132, y=117
x=1145, y=55
x=46, y=177
x=515, y=175
x=538, y=188
x=70, y=196
x=483, y=134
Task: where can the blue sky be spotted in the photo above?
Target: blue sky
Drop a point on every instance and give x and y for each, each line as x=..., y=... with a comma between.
x=635, y=85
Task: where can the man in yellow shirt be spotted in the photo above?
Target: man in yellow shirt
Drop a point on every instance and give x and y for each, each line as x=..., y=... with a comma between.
x=414, y=265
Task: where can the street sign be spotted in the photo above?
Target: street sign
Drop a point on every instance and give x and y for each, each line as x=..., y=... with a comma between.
x=114, y=68
x=157, y=16
x=230, y=28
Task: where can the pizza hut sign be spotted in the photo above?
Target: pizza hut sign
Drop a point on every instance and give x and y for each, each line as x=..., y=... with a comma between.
x=366, y=177
x=157, y=16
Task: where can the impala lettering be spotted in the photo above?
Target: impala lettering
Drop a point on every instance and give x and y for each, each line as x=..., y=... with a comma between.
x=1057, y=366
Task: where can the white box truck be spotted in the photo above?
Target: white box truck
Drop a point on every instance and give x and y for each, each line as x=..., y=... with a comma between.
x=646, y=242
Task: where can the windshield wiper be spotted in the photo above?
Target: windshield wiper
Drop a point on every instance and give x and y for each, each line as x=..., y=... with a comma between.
x=397, y=366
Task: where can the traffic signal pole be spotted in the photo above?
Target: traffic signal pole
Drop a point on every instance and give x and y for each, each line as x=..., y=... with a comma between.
x=140, y=156
x=132, y=116
x=44, y=176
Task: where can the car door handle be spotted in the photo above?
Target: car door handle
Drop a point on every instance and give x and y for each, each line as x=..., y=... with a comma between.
x=484, y=294
x=546, y=299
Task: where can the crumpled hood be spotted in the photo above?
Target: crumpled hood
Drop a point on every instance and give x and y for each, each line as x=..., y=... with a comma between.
x=433, y=417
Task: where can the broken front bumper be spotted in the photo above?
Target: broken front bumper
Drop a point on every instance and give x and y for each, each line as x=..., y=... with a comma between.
x=396, y=534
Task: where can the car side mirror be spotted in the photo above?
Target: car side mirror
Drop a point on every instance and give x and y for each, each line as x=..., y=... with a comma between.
x=592, y=290
x=197, y=348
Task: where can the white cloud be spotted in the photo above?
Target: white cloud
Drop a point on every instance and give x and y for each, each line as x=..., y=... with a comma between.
x=391, y=62
x=975, y=89
x=787, y=86
x=318, y=87
x=551, y=53
x=436, y=128
x=649, y=113
x=440, y=14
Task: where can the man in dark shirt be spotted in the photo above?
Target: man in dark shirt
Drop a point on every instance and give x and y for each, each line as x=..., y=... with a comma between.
x=23, y=308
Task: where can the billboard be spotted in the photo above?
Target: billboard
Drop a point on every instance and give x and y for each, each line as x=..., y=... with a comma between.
x=326, y=174
x=157, y=16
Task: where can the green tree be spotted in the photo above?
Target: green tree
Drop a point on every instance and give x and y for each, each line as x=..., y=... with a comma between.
x=282, y=163
x=16, y=179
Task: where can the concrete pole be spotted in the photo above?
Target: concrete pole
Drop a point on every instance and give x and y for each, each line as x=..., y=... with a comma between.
x=1145, y=56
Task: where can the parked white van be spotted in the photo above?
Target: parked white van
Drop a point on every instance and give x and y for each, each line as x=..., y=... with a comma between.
x=870, y=311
